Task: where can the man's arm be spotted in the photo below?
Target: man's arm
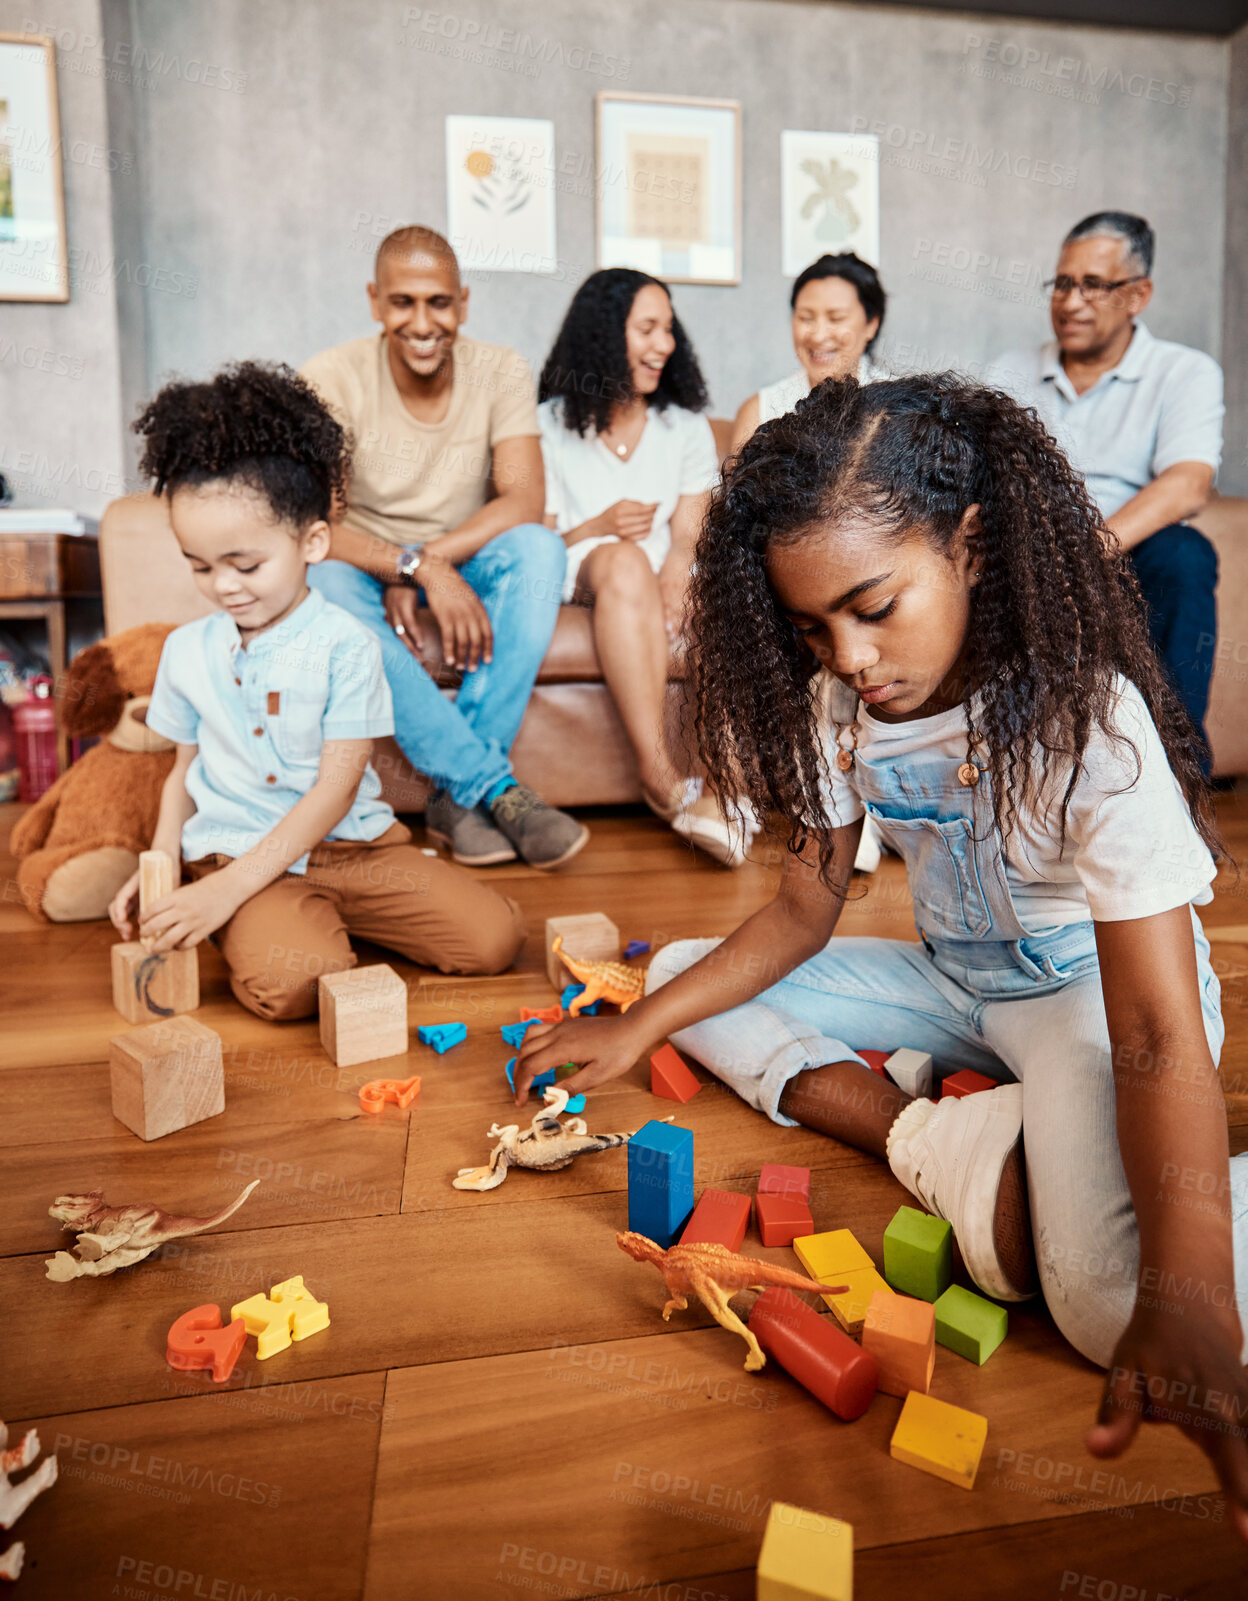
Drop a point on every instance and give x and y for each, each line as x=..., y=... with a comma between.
x=520, y=483
x=1172, y=497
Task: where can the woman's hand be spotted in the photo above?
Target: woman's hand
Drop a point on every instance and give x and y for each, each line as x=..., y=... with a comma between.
x=184, y=919
x=1182, y=1367
x=628, y=519
x=602, y=1047
x=125, y=905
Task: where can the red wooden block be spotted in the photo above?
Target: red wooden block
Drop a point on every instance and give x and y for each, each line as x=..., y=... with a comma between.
x=782, y=1218
x=719, y=1218
x=670, y=1078
x=777, y=1180
x=197, y=1340
x=966, y=1083
x=551, y=1014
x=832, y=1367
x=875, y=1060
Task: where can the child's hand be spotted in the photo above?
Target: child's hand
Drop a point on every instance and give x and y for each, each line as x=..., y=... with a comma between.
x=125, y=905
x=179, y=921
x=604, y=1047
x=1182, y=1368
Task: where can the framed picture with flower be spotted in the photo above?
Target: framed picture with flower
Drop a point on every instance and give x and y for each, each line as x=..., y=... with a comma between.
x=34, y=259
x=500, y=193
x=669, y=186
x=830, y=197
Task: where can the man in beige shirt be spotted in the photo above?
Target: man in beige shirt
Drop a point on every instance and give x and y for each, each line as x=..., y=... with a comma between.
x=445, y=501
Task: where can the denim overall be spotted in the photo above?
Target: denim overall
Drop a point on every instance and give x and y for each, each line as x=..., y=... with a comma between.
x=976, y=991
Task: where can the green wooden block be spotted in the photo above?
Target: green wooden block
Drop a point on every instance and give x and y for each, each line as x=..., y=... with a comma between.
x=968, y=1324
x=918, y=1254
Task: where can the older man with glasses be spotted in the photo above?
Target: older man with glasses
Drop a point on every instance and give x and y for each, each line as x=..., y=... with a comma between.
x=1141, y=419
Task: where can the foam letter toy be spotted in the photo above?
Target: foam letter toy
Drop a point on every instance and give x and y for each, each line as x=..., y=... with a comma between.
x=443, y=1035
x=402, y=1091
x=719, y=1218
x=549, y=1014
x=538, y=1084
x=636, y=947
x=828, y=1363
x=966, y=1083
x=782, y=1218
x=968, y=1324
x=570, y=994
x=513, y=1033
x=900, y=1334
x=197, y=1340
x=288, y=1312
x=660, y=1182
x=946, y=1441
x=805, y=1557
x=670, y=1078
x=918, y=1254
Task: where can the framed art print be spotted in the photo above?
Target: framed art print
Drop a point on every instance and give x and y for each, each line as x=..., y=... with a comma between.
x=500, y=193
x=34, y=261
x=830, y=197
x=669, y=186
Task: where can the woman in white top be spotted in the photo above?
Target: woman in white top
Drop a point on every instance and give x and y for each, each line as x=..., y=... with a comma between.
x=838, y=310
x=630, y=460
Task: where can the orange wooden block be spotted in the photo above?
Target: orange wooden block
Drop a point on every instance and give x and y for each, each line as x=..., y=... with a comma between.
x=719, y=1218
x=670, y=1077
x=782, y=1218
x=776, y=1179
x=401, y=1091
x=900, y=1334
x=875, y=1060
x=551, y=1014
x=966, y=1082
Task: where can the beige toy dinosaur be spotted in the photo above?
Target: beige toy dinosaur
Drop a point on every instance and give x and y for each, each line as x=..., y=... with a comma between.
x=547, y=1145
x=604, y=981
x=715, y=1274
x=15, y=1498
x=110, y=1237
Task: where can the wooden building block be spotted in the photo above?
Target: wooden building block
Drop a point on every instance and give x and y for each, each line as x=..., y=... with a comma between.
x=918, y=1254
x=719, y=1218
x=166, y=1076
x=900, y=1333
x=782, y=1218
x=969, y=1324
x=670, y=1076
x=875, y=1060
x=805, y=1557
x=829, y=1256
x=155, y=881
x=363, y=1014
x=775, y=1179
x=946, y=1441
x=814, y=1351
x=146, y=987
x=912, y=1071
x=589, y=938
x=849, y=1308
x=966, y=1082
x=660, y=1182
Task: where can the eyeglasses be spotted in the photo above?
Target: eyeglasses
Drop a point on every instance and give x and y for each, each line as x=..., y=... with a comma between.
x=1092, y=289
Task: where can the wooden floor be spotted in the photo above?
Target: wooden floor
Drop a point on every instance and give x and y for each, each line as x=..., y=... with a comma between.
x=498, y=1408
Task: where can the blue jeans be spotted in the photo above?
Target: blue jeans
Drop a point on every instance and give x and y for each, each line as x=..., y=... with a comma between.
x=463, y=744
x=1029, y=1011
x=1178, y=571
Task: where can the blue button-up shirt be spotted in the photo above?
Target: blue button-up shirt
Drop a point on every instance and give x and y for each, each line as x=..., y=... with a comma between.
x=260, y=715
x=1162, y=404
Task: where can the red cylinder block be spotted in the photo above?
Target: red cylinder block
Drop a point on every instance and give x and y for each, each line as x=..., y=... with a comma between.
x=828, y=1363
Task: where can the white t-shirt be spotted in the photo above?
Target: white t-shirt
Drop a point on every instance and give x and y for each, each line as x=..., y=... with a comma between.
x=775, y=400
x=1131, y=848
x=675, y=456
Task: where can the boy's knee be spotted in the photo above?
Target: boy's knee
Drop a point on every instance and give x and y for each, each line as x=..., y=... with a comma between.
x=278, y=998
x=675, y=958
x=1090, y=1294
x=495, y=943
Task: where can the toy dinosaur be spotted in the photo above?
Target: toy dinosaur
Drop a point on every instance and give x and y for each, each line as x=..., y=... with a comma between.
x=15, y=1498
x=110, y=1237
x=603, y=981
x=715, y=1274
x=547, y=1144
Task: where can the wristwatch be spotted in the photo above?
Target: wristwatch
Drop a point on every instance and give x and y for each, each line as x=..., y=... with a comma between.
x=410, y=557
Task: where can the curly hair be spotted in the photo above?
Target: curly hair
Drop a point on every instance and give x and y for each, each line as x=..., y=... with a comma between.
x=256, y=423
x=588, y=363
x=1055, y=615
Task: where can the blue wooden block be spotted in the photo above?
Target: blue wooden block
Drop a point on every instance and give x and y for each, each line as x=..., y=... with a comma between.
x=636, y=947
x=513, y=1033
x=443, y=1035
x=660, y=1182
x=570, y=994
x=538, y=1084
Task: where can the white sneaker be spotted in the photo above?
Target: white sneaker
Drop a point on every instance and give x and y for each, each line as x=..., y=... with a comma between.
x=868, y=857
x=706, y=825
x=950, y=1155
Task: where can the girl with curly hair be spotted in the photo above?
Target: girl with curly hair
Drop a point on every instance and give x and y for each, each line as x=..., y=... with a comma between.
x=989, y=696
x=629, y=460
x=273, y=701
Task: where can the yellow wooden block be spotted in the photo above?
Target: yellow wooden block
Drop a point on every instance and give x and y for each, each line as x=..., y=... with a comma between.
x=310, y=1315
x=832, y=1255
x=850, y=1307
x=941, y=1439
x=805, y=1557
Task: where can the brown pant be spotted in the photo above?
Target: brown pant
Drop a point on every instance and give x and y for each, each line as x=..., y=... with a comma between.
x=280, y=941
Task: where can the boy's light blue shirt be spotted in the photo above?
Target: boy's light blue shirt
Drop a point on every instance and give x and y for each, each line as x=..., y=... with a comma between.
x=260, y=716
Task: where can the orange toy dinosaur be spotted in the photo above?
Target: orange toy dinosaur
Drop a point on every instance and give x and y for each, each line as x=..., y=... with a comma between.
x=715, y=1274
x=603, y=981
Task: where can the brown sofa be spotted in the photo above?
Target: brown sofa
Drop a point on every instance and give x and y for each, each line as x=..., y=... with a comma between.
x=572, y=747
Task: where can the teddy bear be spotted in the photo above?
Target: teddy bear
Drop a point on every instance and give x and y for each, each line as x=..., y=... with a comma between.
x=80, y=842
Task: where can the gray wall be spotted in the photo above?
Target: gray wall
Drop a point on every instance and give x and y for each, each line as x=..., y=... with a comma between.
x=274, y=143
x=1233, y=478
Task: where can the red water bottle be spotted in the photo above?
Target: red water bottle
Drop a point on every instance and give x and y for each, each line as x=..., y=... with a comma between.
x=34, y=722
